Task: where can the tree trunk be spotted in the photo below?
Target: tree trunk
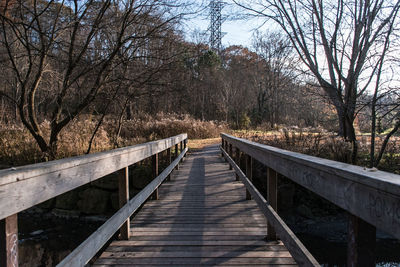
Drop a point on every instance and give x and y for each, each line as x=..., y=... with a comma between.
x=347, y=131
x=373, y=132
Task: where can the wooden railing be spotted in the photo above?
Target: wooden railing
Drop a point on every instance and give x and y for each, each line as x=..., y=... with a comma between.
x=372, y=198
x=24, y=187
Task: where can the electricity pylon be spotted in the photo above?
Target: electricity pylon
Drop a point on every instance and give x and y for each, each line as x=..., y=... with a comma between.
x=215, y=25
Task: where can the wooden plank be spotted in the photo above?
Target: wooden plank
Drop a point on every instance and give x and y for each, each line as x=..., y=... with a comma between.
x=84, y=252
x=191, y=248
x=202, y=224
x=221, y=202
x=299, y=252
x=200, y=228
x=373, y=196
x=123, y=194
x=212, y=243
x=197, y=254
x=199, y=216
x=189, y=220
x=26, y=186
x=194, y=221
x=197, y=209
x=200, y=197
x=9, y=241
x=199, y=238
x=199, y=233
x=192, y=265
x=193, y=261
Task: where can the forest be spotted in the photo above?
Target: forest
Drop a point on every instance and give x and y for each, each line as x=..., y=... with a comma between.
x=85, y=76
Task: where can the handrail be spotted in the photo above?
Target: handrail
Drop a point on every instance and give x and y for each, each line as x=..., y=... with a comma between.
x=88, y=249
x=301, y=255
x=26, y=186
x=373, y=196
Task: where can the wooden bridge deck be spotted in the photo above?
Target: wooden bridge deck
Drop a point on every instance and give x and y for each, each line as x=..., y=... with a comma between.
x=202, y=218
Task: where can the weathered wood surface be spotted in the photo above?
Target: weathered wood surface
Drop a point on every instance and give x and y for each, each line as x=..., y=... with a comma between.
x=373, y=196
x=202, y=218
x=24, y=187
x=88, y=249
x=9, y=241
x=123, y=197
x=300, y=253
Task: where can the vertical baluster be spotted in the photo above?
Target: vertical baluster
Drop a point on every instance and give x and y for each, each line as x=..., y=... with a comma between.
x=230, y=154
x=222, y=145
x=176, y=155
x=272, y=199
x=249, y=173
x=225, y=147
x=181, y=149
x=9, y=241
x=361, y=246
x=237, y=160
x=169, y=161
x=155, y=174
x=185, y=144
x=123, y=186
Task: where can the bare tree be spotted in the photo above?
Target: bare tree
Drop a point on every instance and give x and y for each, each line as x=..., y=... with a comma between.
x=275, y=73
x=66, y=51
x=337, y=41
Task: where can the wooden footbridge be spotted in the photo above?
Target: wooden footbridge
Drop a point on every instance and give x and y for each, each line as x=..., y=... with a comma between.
x=203, y=209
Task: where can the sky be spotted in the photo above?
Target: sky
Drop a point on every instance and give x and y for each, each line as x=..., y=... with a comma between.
x=235, y=32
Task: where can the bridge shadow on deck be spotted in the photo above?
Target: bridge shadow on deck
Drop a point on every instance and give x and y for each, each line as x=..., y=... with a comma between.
x=201, y=218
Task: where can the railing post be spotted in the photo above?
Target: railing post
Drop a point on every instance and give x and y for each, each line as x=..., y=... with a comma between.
x=185, y=145
x=249, y=173
x=176, y=155
x=154, y=161
x=169, y=160
x=123, y=186
x=225, y=147
x=230, y=154
x=237, y=160
x=222, y=145
x=361, y=244
x=272, y=199
x=9, y=241
x=181, y=149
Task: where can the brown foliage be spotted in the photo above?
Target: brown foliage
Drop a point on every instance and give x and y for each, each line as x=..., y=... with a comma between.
x=320, y=143
x=19, y=147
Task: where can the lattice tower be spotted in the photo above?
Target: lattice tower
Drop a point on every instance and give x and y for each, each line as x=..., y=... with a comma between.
x=215, y=24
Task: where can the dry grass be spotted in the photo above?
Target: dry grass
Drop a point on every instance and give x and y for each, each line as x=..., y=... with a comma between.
x=197, y=144
x=19, y=147
x=320, y=143
x=165, y=125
